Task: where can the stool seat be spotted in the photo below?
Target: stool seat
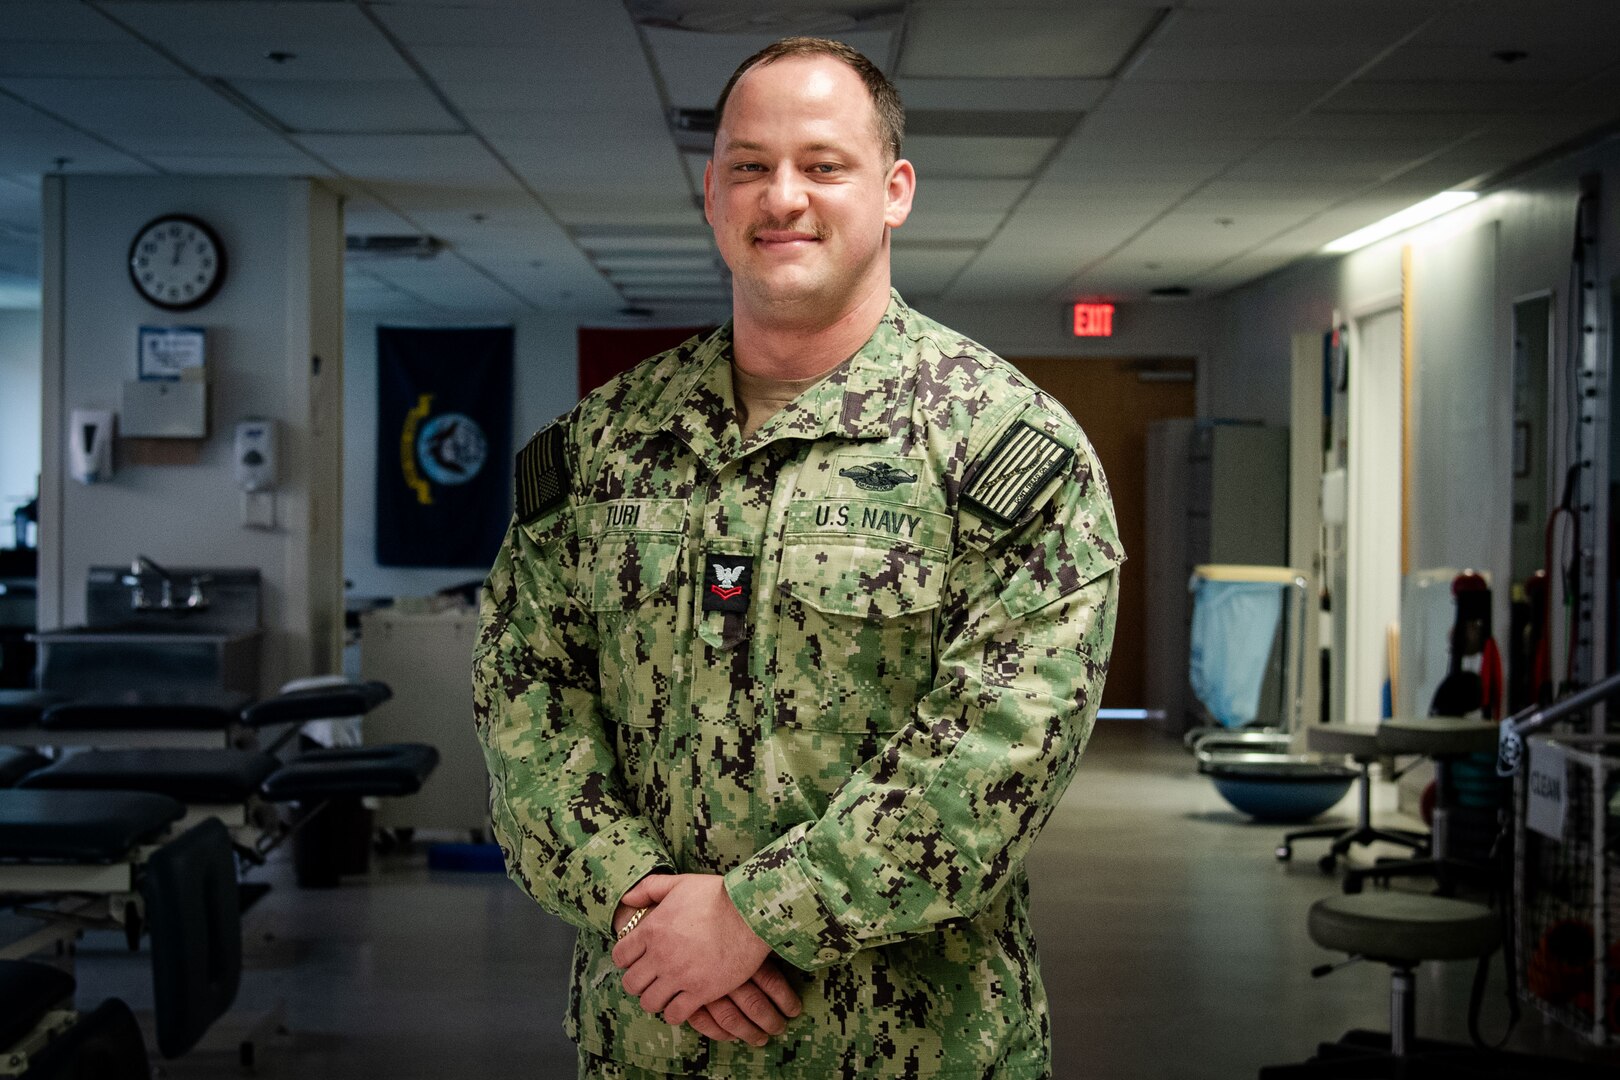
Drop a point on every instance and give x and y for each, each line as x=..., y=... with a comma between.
x=1404, y=928
x=1352, y=740
x=1437, y=736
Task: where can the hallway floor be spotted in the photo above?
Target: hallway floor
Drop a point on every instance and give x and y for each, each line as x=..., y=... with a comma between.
x=1172, y=942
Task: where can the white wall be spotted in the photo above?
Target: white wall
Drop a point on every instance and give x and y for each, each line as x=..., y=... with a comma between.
x=19, y=413
x=1469, y=267
x=545, y=385
x=280, y=306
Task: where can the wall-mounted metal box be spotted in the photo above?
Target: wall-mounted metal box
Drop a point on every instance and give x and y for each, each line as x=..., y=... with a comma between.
x=164, y=409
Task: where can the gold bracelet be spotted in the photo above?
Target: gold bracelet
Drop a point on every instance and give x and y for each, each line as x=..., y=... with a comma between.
x=631, y=925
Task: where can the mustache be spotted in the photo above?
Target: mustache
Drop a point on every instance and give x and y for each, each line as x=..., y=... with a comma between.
x=815, y=231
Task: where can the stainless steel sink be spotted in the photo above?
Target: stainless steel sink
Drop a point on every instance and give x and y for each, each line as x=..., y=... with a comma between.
x=128, y=648
x=89, y=660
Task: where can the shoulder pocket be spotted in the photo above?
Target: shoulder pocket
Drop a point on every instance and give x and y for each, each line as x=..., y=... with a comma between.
x=629, y=551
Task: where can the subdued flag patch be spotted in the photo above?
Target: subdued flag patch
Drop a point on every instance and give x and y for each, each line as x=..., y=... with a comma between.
x=1014, y=472
x=542, y=474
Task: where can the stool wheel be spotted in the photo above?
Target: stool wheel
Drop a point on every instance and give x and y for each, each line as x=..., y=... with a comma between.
x=1352, y=884
x=1284, y=852
x=1328, y=863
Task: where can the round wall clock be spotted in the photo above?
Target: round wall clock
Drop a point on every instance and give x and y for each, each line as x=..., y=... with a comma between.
x=177, y=262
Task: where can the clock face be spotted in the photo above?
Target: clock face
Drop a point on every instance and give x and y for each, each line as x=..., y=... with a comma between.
x=177, y=262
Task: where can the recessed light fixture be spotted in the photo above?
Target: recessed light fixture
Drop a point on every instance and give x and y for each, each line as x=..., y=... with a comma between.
x=1171, y=292
x=1510, y=56
x=280, y=56
x=1427, y=210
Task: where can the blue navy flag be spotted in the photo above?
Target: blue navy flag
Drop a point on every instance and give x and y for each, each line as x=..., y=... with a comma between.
x=444, y=445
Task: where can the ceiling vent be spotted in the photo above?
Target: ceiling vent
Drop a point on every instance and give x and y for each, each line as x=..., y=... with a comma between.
x=412, y=246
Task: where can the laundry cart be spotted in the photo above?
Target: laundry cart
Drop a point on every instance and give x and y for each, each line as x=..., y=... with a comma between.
x=426, y=657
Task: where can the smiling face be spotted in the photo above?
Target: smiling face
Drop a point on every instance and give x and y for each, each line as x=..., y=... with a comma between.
x=801, y=192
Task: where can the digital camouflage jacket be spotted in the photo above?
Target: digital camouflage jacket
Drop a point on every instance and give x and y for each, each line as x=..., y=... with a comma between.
x=849, y=663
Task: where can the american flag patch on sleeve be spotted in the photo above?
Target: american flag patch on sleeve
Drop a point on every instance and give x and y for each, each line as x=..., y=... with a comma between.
x=1014, y=472
x=542, y=474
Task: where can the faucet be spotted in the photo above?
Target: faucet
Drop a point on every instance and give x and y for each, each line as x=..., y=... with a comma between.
x=140, y=566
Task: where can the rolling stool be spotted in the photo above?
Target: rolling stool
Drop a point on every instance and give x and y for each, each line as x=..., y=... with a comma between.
x=1403, y=930
x=1444, y=739
x=1360, y=744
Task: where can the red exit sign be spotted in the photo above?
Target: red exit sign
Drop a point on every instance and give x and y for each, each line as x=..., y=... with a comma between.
x=1094, y=320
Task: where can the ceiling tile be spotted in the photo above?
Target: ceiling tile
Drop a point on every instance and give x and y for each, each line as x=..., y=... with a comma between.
x=54, y=21
x=566, y=30
x=984, y=157
x=527, y=77
x=80, y=59
x=314, y=105
x=293, y=164
x=117, y=108
x=1252, y=63
x=327, y=40
x=1433, y=96
x=925, y=226
x=926, y=271
x=944, y=194
x=1285, y=26
x=694, y=67
x=451, y=160
x=1566, y=61
x=1000, y=94
x=1029, y=42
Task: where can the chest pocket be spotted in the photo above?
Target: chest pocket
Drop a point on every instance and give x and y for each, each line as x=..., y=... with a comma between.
x=855, y=647
x=630, y=556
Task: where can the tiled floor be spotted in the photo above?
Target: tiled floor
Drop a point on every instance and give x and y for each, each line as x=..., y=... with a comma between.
x=1173, y=946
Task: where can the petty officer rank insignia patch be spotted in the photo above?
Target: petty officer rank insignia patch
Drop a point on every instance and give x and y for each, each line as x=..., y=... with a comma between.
x=542, y=474
x=1014, y=472
x=727, y=580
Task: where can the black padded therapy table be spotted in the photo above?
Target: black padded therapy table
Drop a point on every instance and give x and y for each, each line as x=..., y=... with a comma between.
x=115, y=824
x=41, y=1035
x=210, y=780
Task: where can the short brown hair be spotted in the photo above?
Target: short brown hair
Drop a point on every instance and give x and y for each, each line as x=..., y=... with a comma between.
x=891, y=115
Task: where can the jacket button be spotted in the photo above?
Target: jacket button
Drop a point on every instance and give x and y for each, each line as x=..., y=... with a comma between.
x=827, y=955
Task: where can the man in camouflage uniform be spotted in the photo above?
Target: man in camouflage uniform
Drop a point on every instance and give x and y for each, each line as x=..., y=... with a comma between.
x=781, y=695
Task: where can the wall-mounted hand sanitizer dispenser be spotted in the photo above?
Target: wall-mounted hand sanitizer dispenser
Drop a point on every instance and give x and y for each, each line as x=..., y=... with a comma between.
x=90, y=439
x=256, y=455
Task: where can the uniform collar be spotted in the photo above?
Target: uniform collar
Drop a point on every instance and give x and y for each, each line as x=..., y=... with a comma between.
x=859, y=400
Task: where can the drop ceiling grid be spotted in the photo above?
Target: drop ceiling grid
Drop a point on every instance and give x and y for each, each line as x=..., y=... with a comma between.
x=121, y=108
x=1002, y=94
x=568, y=35
x=451, y=160
x=1285, y=26
x=331, y=40
x=401, y=105
x=519, y=77
x=977, y=157
x=694, y=67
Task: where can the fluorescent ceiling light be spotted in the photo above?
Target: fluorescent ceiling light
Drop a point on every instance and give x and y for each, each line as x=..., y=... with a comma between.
x=1427, y=210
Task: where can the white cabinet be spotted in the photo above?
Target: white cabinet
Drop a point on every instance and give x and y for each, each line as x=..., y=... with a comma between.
x=427, y=659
